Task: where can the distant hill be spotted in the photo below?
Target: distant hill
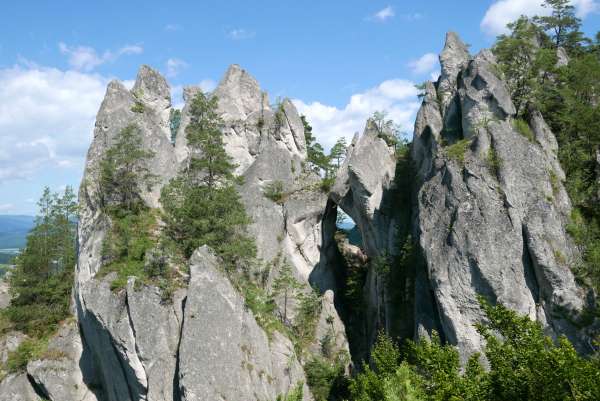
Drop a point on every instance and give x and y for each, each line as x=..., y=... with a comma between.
x=13, y=230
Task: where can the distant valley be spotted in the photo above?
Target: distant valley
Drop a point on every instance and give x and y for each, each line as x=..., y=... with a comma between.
x=13, y=234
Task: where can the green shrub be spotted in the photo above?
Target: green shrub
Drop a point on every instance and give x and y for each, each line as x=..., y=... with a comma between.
x=522, y=127
x=274, y=191
x=326, y=379
x=262, y=305
x=138, y=107
x=296, y=394
x=326, y=184
x=524, y=364
x=457, y=150
x=307, y=316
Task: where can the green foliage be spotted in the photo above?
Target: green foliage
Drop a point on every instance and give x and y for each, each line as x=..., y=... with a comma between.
x=197, y=215
x=280, y=117
x=297, y=394
x=317, y=159
x=127, y=246
x=567, y=97
x=524, y=364
x=421, y=89
x=561, y=23
x=307, y=316
x=122, y=170
x=40, y=283
x=209, y=163
x=138, y=107
x=133, y=226
x=274, y=191
x=458, y=150
x=326, y=184
x=286, y=286
x=263, y=307
x=326, y=379
x=338, y=152
x=202, y=206
x=174, y=123
x=493, y=161
x=587, y=235
x=522, y=127
x=29, y=350
x=517, y=58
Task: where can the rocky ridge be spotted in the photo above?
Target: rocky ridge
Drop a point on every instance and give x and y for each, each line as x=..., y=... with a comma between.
x=487, y=211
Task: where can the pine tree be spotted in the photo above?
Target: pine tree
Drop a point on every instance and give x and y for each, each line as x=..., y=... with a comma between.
x=562, y=23
x=285, y=285
x=316, y=156
x=41, y=281
x=517, y=54
x=123, y=169
x=338, y=152
x=209, y=161
x=202, y=207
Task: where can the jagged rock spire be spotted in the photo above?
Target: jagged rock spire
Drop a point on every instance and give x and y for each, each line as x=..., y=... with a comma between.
x=152, y=88
x=239, y=94
x=452, y=58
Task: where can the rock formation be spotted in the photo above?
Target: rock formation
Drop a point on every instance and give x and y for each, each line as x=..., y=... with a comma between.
x=487, y=211
x=491, y=209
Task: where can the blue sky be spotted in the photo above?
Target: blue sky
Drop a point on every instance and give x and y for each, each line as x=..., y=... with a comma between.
x=338, y=60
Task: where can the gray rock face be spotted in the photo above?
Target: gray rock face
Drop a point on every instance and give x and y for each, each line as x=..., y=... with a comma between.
x=224, y=353
x=361, y=184
x=363, y=189
x=16, y=387
x=60, y=376
x=139, y=344
x=4, y=294
x=494, y=223
x=116, y=113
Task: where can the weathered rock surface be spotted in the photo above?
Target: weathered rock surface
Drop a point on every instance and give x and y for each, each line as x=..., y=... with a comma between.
x=224, y=353
x=363, y=189
x=4, y=294
x=60, y=375
x=139, y=343
x=16, y=387
x=494, y=223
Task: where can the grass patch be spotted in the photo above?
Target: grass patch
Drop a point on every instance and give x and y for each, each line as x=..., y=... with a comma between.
x=522, y=127
x=493, y=161
x=274, y=191
x=29, y=350
x=560, y=258
x=554, y=182
x=458, y=150
x=262, y=306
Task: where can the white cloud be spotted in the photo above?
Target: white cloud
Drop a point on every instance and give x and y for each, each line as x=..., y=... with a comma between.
x=396, y=96
x=6, y=207
x=240, y=34
x=504, y=11
x=412, y=17
x=384, y=14
x=174, y=67
x=425, y=64
x=207, y=85
x=173, y=27
x=85, y=58
x=46, y=119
